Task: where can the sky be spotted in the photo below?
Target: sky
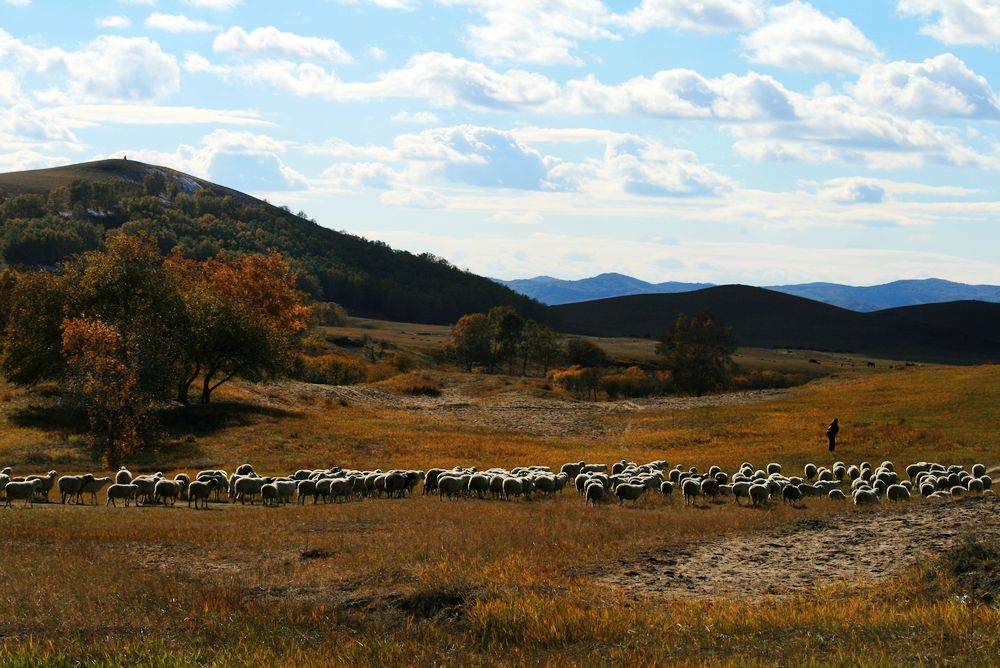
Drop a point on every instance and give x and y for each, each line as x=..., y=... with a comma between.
x=724, y=141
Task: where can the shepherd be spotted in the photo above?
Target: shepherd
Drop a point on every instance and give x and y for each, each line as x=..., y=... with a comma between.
x=831, y=433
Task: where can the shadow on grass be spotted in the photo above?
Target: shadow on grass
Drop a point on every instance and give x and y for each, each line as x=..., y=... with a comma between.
x=204, y=420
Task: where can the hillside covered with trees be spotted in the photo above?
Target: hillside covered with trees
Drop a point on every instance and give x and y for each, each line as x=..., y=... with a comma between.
x=48, y=216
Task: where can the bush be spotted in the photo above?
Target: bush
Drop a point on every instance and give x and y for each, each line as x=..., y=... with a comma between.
x=630, y=384
x=414, y=384
x=766, y=379
x=580, y=381
x=329, y=314
x=584, y=353
x=331, y=370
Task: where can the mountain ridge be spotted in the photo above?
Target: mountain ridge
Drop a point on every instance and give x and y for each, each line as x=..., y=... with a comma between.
x=905, y=292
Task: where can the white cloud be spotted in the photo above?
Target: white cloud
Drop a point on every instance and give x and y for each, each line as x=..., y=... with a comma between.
x=413, y=198
x=273, y=42
x=91, y=115
x=376, y=53
x=137, y=2
x=176, y=23
x=117, y=21
x=540, y=33
x=18, y=3
x=958, y=21
x=419, y=117
x=20, y=160
x=798, y=36
x=839, y=128
x=939, y=86
x=240, y=160
x=108, y=69
x=383, y=4
x=704, y=16
x=642, y=167
x=354, y=175
x=218, y=5
x=517, y=218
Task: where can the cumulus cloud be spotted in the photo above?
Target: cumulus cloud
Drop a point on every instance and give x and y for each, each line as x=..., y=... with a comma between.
x=643, y=167
x=377, y=53
x=273, y=42
x=117, y=21
x=540, y=33
x=176, y=23
x=839, y=128
x=798, y=36
x=939, y=86
x=705, y=16
x=241, y=160
x=958, y=21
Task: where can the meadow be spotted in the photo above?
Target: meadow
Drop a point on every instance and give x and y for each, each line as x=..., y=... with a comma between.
x=419, y=581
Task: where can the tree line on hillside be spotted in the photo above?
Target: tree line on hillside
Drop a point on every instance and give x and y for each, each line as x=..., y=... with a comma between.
x=124, y=327
x=694, y=356
x=367, y=277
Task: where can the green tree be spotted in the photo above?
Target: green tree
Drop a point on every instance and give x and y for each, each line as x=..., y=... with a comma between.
x=469, y=344
x=697, y=352
x=25, y=206
x=539, y=344
x=505, y=334
x=154, y=183
x=581, y=352
x=32, y=338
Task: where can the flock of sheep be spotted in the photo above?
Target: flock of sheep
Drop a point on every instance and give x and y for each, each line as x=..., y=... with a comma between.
x=596, y=483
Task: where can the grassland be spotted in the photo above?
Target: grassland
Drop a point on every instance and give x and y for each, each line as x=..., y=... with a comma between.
x=421, y=581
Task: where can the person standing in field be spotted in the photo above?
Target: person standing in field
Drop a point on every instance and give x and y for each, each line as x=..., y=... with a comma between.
x=831, y=433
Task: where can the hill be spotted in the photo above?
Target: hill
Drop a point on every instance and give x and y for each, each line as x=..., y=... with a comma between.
x=963, y=332
x=555, y=291
x=51, y=214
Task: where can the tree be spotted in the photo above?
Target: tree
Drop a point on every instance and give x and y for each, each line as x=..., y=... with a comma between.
x=505, y=334
x=469, y=344
x=154, y=183
x=32, y=338
x=697, y=353
x=581, y=352
x=104, y=371
x=540, y=344
x=244, y=318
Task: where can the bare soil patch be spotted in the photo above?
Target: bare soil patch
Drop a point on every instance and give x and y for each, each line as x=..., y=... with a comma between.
x=511, y=411
x=865, y=545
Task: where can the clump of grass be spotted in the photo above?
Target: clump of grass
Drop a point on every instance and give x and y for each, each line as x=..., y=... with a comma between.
x=414, y=384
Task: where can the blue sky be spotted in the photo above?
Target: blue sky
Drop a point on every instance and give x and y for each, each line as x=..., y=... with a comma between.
x=721, y=140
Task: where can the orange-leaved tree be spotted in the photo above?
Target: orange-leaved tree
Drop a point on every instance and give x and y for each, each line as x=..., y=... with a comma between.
x=244, y=316
x=104, y=370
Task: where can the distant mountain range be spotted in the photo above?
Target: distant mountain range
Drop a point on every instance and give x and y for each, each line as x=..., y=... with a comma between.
x=555, y=291
x=961, y=332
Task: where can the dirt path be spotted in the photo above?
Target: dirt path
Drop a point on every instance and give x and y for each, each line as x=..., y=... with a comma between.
x=865, y=545
x=514, y=411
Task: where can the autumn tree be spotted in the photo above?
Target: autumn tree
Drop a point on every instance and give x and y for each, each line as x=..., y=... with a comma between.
x=697, y=352
x=32, y=336
x=104, y=371
x=243, y=317
x=469, y=344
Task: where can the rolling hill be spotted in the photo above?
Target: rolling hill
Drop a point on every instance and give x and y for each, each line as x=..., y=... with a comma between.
x=959, y=332
x=555, y=291
x=201, y=218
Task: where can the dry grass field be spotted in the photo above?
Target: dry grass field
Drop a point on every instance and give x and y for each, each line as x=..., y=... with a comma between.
x=422, y=581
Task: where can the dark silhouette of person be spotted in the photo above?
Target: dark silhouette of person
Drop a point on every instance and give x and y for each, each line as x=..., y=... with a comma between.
x=831, y=433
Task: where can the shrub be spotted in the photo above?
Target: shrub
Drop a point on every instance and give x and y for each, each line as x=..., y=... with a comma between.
x=766, y=379
x=414, y=384
x=631, y=383
x=329, y=314
x=331, y=370
x=584, y=353
x=580, y=381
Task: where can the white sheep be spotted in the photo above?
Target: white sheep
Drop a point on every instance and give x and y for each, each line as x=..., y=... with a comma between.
x=22, y=489
x=167, y=491
x=897, y=493
x=627, y=492
x=123, y=476
x=200, y=490
x=127, y=492
x=759, y=493
x=92, y=486
x=690, y=488
x=71, y=487
x=595, y=492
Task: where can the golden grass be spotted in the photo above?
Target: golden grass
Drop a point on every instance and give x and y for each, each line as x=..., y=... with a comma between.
x=424, y=581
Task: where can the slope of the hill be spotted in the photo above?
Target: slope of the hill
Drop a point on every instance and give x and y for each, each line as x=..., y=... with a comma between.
x=769, y=319
x=46, y=217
